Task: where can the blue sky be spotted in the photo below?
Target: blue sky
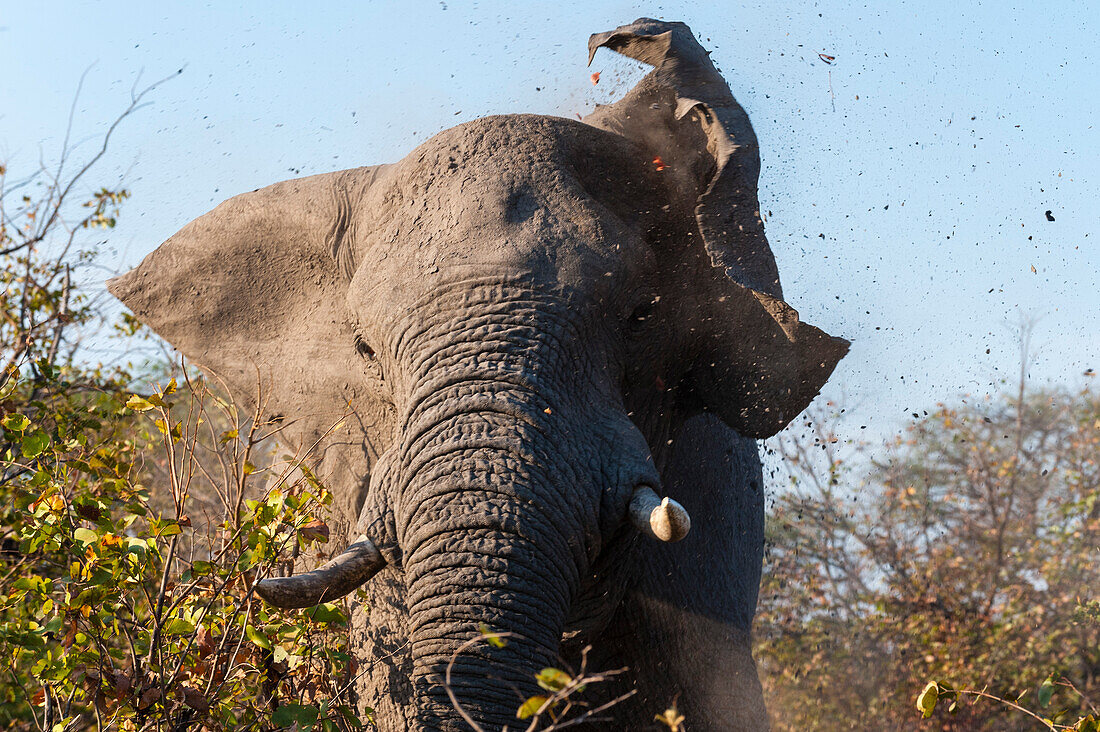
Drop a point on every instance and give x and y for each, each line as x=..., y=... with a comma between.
x=907, y=183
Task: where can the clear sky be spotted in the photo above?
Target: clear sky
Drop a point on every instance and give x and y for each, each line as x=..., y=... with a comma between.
x=906, y=184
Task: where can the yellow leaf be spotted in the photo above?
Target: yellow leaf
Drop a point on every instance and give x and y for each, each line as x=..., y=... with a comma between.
x=553, y=679
x=139, y=404
x=530, y=707
x=926, y=702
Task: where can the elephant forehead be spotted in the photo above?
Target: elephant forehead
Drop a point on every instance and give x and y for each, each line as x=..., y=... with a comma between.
x=518, y=193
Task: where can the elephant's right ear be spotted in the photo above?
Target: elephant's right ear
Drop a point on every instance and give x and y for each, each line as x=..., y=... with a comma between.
x=755, y=363
x=684, y=115
x=253, y=293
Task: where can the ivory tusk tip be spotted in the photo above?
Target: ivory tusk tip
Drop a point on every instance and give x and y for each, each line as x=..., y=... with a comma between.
x=670, y=521
x=660, y=518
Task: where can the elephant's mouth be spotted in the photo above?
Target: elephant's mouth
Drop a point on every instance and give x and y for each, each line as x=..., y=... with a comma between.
x=662, y=519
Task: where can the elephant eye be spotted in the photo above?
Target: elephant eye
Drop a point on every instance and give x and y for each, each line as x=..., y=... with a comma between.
x=362, y=347
x=642, y=313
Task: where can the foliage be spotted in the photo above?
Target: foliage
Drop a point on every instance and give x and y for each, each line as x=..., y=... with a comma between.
x=561, y=706
x=134, y=618
x=965, y=551
x=132, y=527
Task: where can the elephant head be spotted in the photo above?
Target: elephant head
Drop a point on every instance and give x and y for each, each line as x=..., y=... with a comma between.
x=513, y=321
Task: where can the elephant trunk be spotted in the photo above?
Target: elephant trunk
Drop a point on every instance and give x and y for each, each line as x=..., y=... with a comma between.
x=485, y=548
x=515, y=459
x=455, y=596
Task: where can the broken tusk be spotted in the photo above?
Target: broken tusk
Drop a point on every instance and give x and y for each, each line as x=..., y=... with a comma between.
x=334, y=579
x=660, y=518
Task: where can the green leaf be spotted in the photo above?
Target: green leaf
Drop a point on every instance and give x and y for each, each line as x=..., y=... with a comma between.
x=16, y=422
x=178, y=626
x=926, y=702
x=169, y=528
x=288, y=714
x=327, y=612
x=85, y=536
x=494, y=639
x=199, y=567
x=553, y=679
x=34, y=443
x=1046, y=690
x=530, y=707
x=257, y=637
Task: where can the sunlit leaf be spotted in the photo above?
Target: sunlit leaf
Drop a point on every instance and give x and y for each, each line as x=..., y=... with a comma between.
x=530, y=707
x=178, y=626
x=15, y=422
x=139, y=404
x=926, y=701
x=85, y=536
x=553, y=679
x=35, y=443
x=257, y=637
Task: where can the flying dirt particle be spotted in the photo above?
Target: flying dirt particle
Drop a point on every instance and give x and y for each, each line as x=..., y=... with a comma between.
x=659, y=164
x=595, y=78
x=1050, y=216
x=1033, y=271
x=826, y=58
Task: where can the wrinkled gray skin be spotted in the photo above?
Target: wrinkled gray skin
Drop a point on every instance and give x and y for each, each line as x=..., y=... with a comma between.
x=525, y=319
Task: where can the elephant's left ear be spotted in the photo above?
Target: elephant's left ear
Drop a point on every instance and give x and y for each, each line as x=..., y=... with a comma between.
x=757, y=364
x=254, y=292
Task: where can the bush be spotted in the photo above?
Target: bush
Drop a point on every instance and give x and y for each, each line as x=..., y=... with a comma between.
x=132, y=527
x=964, y=553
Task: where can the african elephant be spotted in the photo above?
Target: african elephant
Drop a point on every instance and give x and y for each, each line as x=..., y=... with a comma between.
x=538, y=327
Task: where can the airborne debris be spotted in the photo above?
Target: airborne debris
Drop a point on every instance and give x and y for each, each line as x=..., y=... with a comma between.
x=659, y=164
x=826, y=58
x=595, y=78
x=1050, y=216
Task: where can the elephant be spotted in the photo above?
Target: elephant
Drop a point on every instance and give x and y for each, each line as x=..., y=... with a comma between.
x=549, y=347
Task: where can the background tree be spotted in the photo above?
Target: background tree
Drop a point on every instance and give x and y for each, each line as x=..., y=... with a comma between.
x=964, y=550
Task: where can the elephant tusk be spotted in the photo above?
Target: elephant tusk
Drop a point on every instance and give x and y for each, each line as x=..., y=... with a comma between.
x=336, y=578
x=660, y=518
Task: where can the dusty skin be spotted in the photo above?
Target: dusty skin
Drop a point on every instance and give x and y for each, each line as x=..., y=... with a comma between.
x=539, y=329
